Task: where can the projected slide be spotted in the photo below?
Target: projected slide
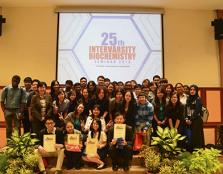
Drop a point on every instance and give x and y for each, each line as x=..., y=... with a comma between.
x=119, y=46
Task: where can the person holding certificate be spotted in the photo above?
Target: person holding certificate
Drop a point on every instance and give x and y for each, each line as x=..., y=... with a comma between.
x=73, y=145
x=96, y=151
x=51, y=144
x=120, y=140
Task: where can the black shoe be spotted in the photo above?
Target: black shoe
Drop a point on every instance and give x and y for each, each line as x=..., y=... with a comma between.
x=126, y=168
x=69, y=167
x=114, y=167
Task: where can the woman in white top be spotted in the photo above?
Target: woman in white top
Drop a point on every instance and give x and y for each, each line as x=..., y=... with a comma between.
x=95, y=114
x=60, y=108
x=97, y=132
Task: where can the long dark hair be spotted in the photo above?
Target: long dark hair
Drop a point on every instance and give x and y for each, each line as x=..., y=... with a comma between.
x=157, y=101
x=52, y=91
x=132, y=101
x=98, y=121
x=92, y=94
x=104, y=89
x=76, y=112
x=170, y=104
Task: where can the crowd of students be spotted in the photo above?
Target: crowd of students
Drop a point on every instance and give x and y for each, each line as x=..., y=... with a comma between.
x=91, y=109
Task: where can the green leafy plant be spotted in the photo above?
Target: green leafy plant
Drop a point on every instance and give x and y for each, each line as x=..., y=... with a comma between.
x=165, y=169
x=151, y=158
x=19, y=145
x=202, y=161
x=31, y=160
x=173, y=167
x=167, y=142
x=3, y=162
x=21, y=158
x=179, y=168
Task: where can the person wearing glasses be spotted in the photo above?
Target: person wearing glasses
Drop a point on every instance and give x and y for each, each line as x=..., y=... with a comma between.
x=58, y=151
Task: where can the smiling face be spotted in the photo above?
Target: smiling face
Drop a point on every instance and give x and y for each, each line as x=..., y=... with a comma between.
x=118, y=96
x=119, y=119
x=34, y=86
x=73, y=96
x=96, y=111
x=85, y=93
x=95, y=125
x=50, y=125
x=56, y=86
x=142, y=99
x=110, y=88
x=192, y=91
x=159, y=94
x=70, y=128
x=101, y=94
x=128, y=96
x=61, y=96
x=83, y=82
x=91, y=86
x=80, y=108
x=179, y=88
x=168, y=89
x=174, y=99
x=42, y=90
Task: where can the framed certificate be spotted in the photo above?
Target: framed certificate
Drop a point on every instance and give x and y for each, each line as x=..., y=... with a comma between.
x=119, y=130
x=49, y=142
x=91, y=146
x=73, y=139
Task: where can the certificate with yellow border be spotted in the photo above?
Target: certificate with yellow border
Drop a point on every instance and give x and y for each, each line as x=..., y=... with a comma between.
x=91, y=146
x=119, y=130
x=73, y=139
x=49, y=142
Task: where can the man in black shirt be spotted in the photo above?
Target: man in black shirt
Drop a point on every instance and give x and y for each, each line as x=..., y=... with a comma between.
x=120, y=151
x=50, y=129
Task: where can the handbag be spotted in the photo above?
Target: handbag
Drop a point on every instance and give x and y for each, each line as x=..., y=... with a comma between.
x=138, y=142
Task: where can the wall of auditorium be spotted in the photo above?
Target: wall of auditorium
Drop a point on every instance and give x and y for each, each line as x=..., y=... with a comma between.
x=28, y=45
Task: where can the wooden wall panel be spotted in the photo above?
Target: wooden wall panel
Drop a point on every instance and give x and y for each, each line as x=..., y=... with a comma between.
x=209, y=135
x=1, y=113
x=3, y=137
x=213, y=103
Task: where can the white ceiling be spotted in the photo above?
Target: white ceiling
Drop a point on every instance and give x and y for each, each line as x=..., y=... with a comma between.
x=176, y=4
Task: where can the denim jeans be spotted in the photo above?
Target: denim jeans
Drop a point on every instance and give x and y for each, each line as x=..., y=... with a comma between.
x=10, y=116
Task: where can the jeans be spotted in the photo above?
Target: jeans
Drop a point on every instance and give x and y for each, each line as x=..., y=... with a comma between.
x=11, y=115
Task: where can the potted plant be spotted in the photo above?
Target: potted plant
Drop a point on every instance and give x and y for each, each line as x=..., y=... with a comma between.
x=151, y=158
x=167, y=142
x=21, y=158
x=174, y=167
x=202, y=161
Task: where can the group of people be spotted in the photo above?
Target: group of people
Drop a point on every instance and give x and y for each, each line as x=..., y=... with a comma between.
x=91, y=109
